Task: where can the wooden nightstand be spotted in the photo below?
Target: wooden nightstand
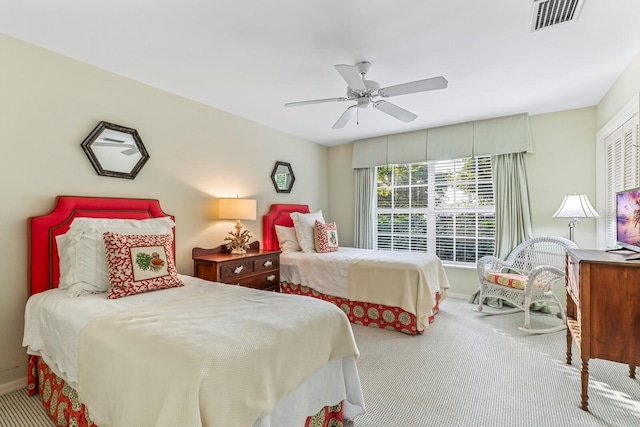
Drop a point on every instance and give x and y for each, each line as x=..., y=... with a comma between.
x=259, y=269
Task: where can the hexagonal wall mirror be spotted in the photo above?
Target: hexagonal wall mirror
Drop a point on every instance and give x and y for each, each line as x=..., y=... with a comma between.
x=282, y=177
x=115, y=150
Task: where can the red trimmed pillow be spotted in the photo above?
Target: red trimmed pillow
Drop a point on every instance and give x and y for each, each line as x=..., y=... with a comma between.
x=326, y=237
x=139, y=263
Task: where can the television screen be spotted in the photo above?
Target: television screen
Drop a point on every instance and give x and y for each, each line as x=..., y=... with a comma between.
x=628, y=219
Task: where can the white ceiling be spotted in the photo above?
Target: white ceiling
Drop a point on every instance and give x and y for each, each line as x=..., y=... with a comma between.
x=250, y=57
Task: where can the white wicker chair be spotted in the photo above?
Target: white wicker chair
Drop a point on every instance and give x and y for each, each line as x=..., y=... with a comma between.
x=534, y=266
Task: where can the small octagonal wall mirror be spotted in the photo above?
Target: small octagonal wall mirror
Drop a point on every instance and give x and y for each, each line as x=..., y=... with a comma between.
x=115, y=150
x=282, y=177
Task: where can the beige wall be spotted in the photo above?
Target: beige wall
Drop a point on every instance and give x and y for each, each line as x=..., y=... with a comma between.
x=48, y=105
x=625, y=87
x=562, y=164
x=342, y=192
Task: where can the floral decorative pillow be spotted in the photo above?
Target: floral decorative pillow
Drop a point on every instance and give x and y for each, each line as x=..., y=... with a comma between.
x=326, y=237
x=139, y=263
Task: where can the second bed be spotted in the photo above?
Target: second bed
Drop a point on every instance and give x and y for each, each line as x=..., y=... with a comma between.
x=399, y=291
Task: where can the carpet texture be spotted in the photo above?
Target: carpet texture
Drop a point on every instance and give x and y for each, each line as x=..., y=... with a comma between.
x=468, y=369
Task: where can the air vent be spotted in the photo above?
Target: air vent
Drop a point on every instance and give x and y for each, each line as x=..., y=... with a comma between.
x=549, y=13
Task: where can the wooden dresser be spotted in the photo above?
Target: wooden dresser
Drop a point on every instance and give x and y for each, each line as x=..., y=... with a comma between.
x=259, y=269
x=603, y=310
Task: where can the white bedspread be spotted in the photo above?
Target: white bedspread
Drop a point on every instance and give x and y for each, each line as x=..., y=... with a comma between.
x=400, y=279
x=327, y=273
x=408, y=280
x=302, y=386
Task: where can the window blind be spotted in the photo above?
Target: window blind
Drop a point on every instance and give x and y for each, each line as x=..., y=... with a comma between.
x=442, y=207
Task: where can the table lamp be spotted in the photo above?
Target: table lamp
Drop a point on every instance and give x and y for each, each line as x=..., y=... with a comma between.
x=575, y=206
x=237, y=209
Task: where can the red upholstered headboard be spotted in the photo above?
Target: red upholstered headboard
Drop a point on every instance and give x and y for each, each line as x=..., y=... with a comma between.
x=44, y=271
x=278, y=215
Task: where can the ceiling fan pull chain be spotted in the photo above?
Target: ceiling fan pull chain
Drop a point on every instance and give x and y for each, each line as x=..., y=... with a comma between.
x=357, y=116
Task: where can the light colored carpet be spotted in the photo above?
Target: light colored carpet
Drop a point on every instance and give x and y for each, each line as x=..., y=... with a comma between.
x=468, y=369
x=18, y=409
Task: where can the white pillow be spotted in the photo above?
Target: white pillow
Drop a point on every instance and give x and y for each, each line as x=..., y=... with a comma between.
x=62, y=242
x=304, y=225
x=287, y=239
x=83, y=264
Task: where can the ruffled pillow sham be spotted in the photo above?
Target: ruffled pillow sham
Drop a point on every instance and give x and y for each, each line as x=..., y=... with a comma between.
x=304, y=223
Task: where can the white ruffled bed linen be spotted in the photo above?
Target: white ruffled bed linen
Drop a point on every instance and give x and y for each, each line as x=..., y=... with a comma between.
x=53, y=322
x=419, y=276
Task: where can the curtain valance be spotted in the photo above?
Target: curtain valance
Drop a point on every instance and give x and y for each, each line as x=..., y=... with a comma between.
x=502, y=135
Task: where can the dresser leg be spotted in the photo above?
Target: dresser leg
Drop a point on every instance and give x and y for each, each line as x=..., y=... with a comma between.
x=584, y=377
x=569, y=344
x=632, y=371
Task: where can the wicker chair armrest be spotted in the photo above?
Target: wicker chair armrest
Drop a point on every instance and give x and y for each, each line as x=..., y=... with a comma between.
x=543, y=274
x=491, y=263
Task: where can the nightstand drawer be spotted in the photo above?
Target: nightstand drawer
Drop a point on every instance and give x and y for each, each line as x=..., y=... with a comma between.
x=258, y=281
x=241, y=267
x=271, y=262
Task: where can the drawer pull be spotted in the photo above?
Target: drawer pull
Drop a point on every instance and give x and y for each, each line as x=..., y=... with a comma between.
x=271, y=277
x=267, y=264
x=238, y=269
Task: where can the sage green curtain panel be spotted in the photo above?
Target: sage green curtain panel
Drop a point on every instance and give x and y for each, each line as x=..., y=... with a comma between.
x=511, y=196
x=364, y=224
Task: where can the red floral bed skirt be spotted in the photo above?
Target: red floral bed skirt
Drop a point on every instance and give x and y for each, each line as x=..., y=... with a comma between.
x=61, y=401
x=365, y=313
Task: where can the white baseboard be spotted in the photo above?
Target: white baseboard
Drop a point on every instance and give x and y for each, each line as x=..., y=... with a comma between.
x=12, y=386
x=458, y=296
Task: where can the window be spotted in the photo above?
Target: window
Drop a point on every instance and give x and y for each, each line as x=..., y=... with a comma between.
x=441, y=207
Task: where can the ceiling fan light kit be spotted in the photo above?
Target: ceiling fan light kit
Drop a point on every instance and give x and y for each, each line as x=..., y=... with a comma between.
x=366, y=92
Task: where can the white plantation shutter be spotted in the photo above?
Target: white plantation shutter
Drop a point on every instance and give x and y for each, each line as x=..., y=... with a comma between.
x=610, y=231
x=442, y=207
x=622, y=161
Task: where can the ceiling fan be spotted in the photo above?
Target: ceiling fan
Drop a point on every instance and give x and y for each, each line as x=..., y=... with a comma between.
x=366, y=92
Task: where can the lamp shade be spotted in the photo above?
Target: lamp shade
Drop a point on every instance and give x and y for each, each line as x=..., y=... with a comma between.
x=237, y=209
x=576, y=206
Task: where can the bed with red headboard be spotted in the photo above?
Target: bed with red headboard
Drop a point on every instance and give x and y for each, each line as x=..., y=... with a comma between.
x=44, y=269
x=60, y=399
x=367, y=313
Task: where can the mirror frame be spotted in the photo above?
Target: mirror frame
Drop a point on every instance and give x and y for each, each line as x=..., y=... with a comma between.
x=93, y=136
x=273, y=177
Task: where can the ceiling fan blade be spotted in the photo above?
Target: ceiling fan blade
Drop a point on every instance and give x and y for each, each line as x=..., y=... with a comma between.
x=351, y=75
x=110, y=144
x=345, y=117
x=316, y=101
x=434, y=83
x=395, y=111
x=130, y=151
